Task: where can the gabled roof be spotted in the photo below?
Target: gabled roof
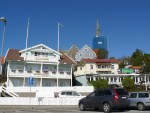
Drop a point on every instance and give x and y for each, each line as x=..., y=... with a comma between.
x=39, y=45
x=13, y=54
x=65, y=59
x=101, y=60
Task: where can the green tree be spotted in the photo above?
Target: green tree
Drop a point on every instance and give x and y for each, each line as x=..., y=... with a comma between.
x=147, y=63
x=128, y=83
x=121, y=65
x=137, y=58
x=125, y=60
x=101, y=83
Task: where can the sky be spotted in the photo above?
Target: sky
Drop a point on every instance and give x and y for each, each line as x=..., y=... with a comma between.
x=126, y=24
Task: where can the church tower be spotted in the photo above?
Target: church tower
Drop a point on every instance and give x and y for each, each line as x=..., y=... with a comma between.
x=99, y=41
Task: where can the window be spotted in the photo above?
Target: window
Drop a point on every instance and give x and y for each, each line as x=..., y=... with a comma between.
x=35, y=54
x=91, y=67
x=107, y=92
x=92, y=94
x=121, y=92
x=75, y=94
x=99, y=66
x=63, y=93
x=99, y=93
x=143, y=95
x=133, y=95
x=68, y=93
x=88, y=79
x=112, y=66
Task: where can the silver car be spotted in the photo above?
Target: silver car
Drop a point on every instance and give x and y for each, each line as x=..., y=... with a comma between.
x=140, y=100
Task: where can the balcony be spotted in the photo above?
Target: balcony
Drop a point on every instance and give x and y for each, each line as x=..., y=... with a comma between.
x=39, y=74
x=39, y=58
x=103, y=69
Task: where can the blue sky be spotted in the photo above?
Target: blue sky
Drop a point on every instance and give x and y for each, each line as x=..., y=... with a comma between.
x=126, y=23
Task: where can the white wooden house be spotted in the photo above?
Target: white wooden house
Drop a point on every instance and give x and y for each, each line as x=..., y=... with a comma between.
x=47, y=67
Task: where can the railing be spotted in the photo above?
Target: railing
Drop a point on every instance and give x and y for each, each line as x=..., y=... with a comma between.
x=38, y=58
x=12, y=94
x=103, y=69
x=39, y=73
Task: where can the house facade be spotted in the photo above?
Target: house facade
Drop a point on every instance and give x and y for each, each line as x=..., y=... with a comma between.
x=72, y=51
x=85, y=52
x=97, y=66
x=93, y=69
x=46, y=67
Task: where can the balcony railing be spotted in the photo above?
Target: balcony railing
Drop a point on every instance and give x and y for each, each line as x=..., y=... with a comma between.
x=38, y=73
x=103, y=69
x=39, y=58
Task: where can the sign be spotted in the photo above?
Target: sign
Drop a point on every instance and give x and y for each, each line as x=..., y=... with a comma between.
x=127, y=70
x=30, y=81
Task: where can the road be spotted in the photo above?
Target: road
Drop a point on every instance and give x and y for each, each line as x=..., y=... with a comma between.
x=56, y=109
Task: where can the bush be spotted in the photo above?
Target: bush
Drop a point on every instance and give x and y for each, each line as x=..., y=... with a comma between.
x=128, y=84
x=101, y=83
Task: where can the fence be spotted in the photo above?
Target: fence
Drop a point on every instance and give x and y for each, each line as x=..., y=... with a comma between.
x=39, y=101
x=53, y=89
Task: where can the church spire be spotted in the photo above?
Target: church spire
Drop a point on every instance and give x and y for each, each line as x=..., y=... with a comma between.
x=97, y=29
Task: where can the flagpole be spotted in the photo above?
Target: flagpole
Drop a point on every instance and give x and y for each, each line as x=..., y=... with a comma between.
x=58, y=51
x=26, y=48
x=27, y=35
x=58, y=38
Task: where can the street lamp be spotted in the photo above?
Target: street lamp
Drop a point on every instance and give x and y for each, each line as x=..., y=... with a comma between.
x=3, y=20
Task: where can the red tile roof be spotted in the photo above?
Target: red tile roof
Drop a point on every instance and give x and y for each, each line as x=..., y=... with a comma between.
x=65, y=59
x=136, y=67
x=2, y=60
x=101, y=60
x=13, y=54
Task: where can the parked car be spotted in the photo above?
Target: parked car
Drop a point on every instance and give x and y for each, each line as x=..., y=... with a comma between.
x=69, y=94
x=140, y=100
x=105, y=99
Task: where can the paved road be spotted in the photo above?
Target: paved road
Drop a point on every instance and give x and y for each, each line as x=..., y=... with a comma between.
x=55, y=109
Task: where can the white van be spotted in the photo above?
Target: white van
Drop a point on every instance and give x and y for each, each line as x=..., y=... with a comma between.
x=69, y=94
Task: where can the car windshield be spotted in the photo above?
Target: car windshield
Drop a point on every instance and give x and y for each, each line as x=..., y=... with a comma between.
x=121, y=92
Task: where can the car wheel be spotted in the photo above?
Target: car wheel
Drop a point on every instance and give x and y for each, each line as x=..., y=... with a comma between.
x=81, y=107
x=141, y=106
x=106, y=107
